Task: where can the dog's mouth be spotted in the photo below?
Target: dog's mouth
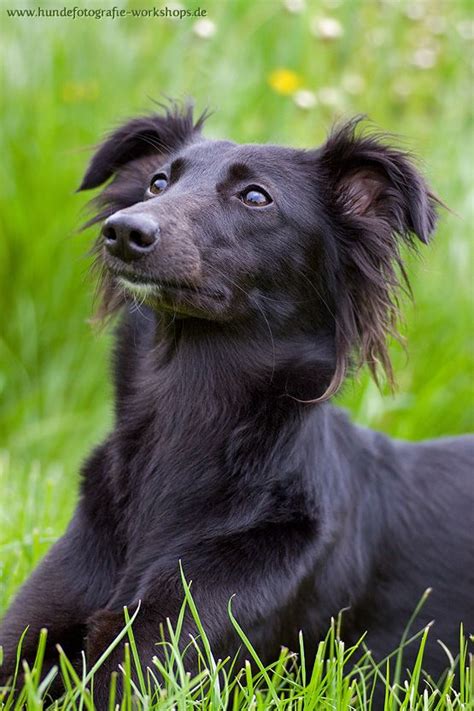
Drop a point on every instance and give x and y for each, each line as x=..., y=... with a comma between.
x=134, y=281
x=171, y=295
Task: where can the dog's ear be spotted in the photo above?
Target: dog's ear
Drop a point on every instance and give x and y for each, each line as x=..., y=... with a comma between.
x=140, y=137
x=377, y=200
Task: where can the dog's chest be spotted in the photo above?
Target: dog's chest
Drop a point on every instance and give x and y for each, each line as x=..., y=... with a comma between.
x=180, y=473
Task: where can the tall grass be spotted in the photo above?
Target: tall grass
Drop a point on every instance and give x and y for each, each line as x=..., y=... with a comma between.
x=340, y=679
x=64, y=83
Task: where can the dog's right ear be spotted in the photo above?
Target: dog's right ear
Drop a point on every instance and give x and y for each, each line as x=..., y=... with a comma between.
x=140, y=137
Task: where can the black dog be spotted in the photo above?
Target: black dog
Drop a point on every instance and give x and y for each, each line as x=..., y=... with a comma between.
x=265, y=273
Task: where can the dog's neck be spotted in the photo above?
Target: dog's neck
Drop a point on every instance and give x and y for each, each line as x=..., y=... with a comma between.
x=207, y=381
x=244, y=359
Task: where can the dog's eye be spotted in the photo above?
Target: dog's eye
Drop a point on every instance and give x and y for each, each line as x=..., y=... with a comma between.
x=158, y=184
x=254, y=196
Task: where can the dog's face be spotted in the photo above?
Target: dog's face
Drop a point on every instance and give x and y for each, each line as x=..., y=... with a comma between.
x=226, y=232
x=218, y=231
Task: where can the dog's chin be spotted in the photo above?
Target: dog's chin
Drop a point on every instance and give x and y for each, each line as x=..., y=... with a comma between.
x=178, y=300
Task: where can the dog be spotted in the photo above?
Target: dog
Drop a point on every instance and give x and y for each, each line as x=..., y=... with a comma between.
x=251, y=280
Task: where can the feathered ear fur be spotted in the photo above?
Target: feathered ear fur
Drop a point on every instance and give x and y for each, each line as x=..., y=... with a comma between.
x=377, y=200
x=129, y=154
x=139, y=137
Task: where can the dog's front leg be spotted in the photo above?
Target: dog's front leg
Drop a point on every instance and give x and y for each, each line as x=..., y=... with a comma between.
x=75, y=578
x=72, y=580
x=262, y=569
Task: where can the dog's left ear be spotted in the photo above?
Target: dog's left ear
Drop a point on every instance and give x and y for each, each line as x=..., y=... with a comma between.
x=376, y=199
x=371, y=181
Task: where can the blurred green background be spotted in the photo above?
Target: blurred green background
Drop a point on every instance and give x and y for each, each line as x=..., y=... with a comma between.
x=273, y=71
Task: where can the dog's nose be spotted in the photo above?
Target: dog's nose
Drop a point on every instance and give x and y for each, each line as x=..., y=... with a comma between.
x=129, y=237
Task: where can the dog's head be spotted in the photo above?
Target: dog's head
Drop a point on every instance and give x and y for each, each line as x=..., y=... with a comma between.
x=303, y=241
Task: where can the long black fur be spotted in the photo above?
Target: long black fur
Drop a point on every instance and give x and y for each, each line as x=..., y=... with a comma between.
x=226, y=453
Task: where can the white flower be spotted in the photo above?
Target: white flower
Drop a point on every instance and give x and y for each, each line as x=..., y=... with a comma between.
x=424, y=58
x=402, y=88
x=305, y=99
x=377, y=37
x=415, y=10
x=175, y=8
x=204, y=28
x=330, y=96
x=437, y=24
x=466, y=29
x=295, y=6
x=327, y=28
x=353, y=83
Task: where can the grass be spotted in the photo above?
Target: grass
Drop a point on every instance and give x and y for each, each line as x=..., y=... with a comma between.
x=334, y=683
x=66, y=82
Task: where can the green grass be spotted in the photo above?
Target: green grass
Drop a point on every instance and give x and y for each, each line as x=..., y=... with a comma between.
x=341, y=678
x=65, y=82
